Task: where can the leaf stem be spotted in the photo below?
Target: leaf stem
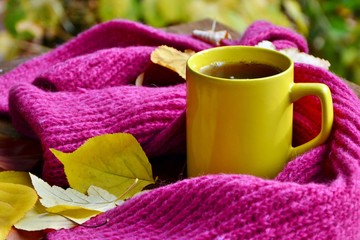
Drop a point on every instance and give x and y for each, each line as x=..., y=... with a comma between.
x=129, y=189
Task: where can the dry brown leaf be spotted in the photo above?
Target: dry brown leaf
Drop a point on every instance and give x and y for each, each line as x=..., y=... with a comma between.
x=171, y=58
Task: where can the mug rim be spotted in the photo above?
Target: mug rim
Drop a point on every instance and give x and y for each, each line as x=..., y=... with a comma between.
x=195, y=69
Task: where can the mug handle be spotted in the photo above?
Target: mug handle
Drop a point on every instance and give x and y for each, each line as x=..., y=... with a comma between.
x=299, y=90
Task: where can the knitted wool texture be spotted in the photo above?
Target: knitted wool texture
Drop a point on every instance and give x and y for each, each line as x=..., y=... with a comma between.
x=84, y=88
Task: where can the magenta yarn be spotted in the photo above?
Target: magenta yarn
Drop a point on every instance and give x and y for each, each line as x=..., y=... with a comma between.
x=86, y=88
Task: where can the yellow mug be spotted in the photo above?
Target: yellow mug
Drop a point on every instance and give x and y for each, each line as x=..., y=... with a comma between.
x=245, y=125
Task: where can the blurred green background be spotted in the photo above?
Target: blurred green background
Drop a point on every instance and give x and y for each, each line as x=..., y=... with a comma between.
x=331, y=27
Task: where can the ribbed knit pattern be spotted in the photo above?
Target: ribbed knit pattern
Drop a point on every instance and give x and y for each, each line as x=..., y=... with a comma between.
x=263, y=30
x=316, y=196
x=64, y=120
x=89, y=90
x=112, y=34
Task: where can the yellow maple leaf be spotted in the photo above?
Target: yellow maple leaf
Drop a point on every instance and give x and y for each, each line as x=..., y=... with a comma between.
x=110, y=161
x=15, y=201
x=76, y=214
x=72, y=204
x=172, y=58
x=39, y=219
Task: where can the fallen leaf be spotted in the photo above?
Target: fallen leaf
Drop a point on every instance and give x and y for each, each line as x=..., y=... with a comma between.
x=111, y=161
x=301, y=57
x=171, y=58
x=73, y=204
x=39, y=219
x=296, y=56
x=15, y=201
x=22, y=178
x=75, y=214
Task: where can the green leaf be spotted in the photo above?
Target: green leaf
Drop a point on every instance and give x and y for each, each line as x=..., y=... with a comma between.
x=111, y=161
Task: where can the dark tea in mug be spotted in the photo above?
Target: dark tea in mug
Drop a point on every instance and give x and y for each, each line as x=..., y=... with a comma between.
x=240, y=70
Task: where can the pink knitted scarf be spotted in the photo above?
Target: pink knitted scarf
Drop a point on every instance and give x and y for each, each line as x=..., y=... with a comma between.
x=86, y=88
